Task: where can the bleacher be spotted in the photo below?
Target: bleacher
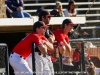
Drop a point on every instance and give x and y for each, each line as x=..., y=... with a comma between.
x=91, y=14
x=81, y=7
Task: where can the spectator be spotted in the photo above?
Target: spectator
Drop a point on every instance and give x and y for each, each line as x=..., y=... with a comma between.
x=8, y=12
x=70, y=10
x=77, y=60
x=89, y=45
x=16, y=9
x=58, y=10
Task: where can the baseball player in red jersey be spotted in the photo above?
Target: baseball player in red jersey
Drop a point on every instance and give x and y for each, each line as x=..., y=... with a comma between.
x=45, y=16
x=62, y=38
x=23, y=49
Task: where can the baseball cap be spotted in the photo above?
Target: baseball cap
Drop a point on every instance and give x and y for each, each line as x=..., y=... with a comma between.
x=68, y=21
x=44, y=13
x=39, y=9
x=39, y=24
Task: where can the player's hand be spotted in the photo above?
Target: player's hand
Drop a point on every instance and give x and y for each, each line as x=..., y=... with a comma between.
x=43, y=41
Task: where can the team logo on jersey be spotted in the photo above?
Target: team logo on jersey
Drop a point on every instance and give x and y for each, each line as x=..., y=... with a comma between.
x=40, y=42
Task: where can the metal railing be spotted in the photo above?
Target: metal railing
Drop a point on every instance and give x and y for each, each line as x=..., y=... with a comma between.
x=53, y=4
x=78, y=9
x=92, y=50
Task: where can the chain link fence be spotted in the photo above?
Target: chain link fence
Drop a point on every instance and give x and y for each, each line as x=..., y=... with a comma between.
x=92, y=45
x=4, y=65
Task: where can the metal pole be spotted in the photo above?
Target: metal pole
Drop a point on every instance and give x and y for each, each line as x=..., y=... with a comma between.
x=84, y=39
x=33, y=58
x=36, y=1
x=83, y=58
x=93, y=32
x=7, y=62
x=60, y=62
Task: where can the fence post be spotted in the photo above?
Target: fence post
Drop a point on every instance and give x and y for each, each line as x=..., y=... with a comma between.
x=83, y=58
x=60, y=63
x=7, y=61
x=36, y=1
x=33, y=59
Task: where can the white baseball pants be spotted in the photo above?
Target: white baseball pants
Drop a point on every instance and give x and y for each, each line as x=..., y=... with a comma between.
x=43, y=64
x=19, y=64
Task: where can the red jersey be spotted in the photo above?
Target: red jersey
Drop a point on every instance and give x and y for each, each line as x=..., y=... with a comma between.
x=60, y=37
x=24, y=47
x=77, y=55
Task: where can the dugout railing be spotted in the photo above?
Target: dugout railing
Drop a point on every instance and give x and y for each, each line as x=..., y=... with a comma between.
x=60, y=70
x=59, y=63
x=82, y=71
x=92, y=45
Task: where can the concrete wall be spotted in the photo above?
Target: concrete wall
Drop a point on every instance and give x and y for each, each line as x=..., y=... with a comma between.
x=2, y=9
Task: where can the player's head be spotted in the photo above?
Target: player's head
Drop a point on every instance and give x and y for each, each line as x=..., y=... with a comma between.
x=45, y=16
x=39, y=27
x=67, y=25
x=78, y=44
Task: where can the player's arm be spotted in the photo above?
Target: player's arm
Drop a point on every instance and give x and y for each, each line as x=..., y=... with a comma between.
x=51, y=38
x=48, y=44
x=42, y=48
x=10, y=5
x=68, y=47
x=62, y=50
x=40, y=44
x=63, y=45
